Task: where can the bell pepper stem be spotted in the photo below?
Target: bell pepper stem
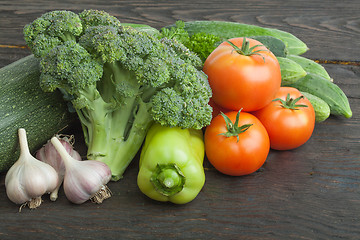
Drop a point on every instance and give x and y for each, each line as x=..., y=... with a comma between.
x=168, y=179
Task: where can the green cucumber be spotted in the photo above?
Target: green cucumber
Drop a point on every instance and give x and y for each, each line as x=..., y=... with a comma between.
x=321, y=108
x=310, y=66
x=275, y=45
x=228, y=30
x=24, y=105
x=290, y=71
x=327, y=91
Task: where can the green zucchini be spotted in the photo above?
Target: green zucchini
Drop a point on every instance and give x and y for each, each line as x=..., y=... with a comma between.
x=310, y=66
x=321, y=108
x=327, y=91
x=24, y=105
x=290, y=71
x=228, y=30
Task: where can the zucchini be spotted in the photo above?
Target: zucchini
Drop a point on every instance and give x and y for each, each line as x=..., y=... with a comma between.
x=228, y=30
x=290, y=71
x=310, y=66
x=327, y=91
x=321, y=108
x=24, y=105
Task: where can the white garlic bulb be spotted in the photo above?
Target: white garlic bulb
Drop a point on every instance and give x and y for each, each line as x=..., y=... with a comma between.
x=50, y=155
x=28, y=179
x=84, y=180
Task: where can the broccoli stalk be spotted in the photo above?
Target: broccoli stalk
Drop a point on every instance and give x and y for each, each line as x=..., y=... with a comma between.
x=119, y=80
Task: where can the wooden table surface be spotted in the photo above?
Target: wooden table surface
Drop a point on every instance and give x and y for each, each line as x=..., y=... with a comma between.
x=312, y=192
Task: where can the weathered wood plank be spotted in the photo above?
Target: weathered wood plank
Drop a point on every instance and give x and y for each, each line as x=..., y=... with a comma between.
x=330, y=28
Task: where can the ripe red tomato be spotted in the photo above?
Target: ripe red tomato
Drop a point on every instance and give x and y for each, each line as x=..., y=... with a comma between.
x=238, y=153
x=246, y=81
x=288, y=127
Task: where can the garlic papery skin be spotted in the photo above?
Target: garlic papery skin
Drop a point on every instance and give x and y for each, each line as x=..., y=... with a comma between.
x=28, y=179
x=83, y=180
x=50, y=155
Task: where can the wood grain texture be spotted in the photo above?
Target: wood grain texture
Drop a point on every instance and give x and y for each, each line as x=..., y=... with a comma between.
x=312, y=192
x=336, y=23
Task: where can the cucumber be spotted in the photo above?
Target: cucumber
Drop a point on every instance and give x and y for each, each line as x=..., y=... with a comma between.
x=228, y=30
x=310, y=66
x=327, y=91
x=275, y=45
x=24, y=105
x=290, y=71
x=321, y=108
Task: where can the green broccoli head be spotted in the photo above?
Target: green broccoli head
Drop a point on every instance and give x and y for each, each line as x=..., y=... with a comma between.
x=69, y=67
x=52, y=29
x=141, y=65
x=93, y=17
x=119, y=80
x=103, y=42
x=56, y=27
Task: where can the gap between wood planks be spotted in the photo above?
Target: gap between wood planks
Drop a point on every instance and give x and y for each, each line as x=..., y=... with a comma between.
x=321, y=61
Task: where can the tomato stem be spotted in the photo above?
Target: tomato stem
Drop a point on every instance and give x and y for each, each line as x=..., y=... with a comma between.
x=233, y=129
x=246, y=50
x=290, y=103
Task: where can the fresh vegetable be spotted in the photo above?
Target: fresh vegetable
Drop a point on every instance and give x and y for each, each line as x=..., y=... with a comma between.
x=49, y=155
x=310, y=66
x=289, y=119
x=200, y=43
x=143, y=28
x=119, y=80
x=290, y=71
x=243, y=74
x=327, y=91
x=83, y=180
x=24, y=105
x=321, y=108
x=236, y=143
x=171, y=164
x=275, y=45
x=28, y=179
x=226, y=30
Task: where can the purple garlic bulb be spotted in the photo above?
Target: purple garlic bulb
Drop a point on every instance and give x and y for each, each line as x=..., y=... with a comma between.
x=50, y=155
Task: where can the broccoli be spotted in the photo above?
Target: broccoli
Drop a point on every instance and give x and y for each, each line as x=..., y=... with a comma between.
x=118, y=80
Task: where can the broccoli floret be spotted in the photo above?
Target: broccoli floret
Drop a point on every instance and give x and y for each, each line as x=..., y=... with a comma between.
x=119, y=81
x=52, y=29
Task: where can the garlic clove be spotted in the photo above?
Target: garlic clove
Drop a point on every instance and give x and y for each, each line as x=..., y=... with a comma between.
x=84, y=180
x=28, y=179
x=50, y=155
x=14, y=190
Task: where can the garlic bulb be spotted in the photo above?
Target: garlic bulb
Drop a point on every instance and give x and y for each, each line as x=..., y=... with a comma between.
x=50, y=155
x=84, y=180
x=28, y=179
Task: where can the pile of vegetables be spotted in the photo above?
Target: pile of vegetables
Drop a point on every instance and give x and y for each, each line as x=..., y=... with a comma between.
x=226, y=90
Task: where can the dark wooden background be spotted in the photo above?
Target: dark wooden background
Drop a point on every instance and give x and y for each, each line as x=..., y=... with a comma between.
x=312, y=192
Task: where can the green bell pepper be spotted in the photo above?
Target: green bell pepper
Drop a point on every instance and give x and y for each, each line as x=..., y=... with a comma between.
x=171, y=164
